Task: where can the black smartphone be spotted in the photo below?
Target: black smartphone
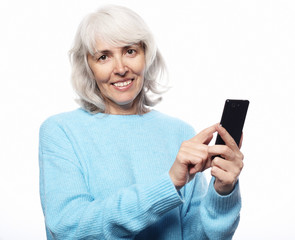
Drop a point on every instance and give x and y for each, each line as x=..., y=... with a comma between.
x=233, y=119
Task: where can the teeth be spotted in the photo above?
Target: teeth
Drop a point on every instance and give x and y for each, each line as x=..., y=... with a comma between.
x=122, y=84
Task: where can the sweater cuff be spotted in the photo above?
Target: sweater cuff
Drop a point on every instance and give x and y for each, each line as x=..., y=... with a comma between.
x=223, y=203
x=163, y=196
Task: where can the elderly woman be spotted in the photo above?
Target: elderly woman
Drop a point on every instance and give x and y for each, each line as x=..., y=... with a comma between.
x=117, y=169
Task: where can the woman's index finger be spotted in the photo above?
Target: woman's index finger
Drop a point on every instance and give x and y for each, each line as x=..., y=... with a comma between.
x=227, y=138
x=202, y=136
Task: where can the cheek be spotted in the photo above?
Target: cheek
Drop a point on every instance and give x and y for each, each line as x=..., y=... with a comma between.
x=102, y=75
x=139, y=67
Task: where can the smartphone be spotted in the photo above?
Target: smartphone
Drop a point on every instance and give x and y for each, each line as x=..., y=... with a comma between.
x=233, y=119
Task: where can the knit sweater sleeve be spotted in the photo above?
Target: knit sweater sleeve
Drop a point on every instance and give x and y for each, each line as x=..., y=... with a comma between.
x=208, y=215
x=70, y=210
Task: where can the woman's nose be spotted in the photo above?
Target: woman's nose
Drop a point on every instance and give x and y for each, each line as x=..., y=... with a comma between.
x=120, y=68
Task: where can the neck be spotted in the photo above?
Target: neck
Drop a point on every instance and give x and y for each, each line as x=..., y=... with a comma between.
x=121, y=111
x=126, y=109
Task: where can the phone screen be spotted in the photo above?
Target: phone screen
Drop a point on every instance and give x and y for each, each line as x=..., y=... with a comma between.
x=233, y=119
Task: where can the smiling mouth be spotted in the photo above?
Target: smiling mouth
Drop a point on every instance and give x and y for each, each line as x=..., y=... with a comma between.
x=123, y=83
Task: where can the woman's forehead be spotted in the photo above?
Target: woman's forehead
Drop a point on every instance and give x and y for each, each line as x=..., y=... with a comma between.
x=101, y=45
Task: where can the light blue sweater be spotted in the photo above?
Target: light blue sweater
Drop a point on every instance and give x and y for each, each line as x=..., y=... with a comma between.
x=106, y=177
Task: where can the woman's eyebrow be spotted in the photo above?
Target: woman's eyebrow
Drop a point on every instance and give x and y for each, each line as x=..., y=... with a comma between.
x=106, y=51
x=132, y=45
x=102, y=51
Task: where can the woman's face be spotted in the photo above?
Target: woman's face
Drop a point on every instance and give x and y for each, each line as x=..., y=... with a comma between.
x=119, y=73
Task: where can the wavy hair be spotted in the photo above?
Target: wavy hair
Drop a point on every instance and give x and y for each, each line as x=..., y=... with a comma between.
x=117, y=26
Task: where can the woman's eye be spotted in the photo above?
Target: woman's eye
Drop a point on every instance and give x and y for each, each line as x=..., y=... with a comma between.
x=102, y=58
x=131, y=51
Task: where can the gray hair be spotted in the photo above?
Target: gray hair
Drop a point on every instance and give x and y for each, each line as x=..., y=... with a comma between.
x=115, y=25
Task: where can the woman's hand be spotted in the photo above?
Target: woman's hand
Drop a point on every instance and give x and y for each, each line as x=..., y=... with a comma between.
x=192, y=157
x=228, y=164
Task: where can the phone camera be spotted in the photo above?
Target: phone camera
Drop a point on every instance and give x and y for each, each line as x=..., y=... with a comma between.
x=233, y=105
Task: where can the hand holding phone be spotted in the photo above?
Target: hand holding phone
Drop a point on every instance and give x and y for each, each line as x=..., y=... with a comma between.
x=227, y=161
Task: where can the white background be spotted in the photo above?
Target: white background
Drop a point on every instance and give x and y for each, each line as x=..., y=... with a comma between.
x=215, y=49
